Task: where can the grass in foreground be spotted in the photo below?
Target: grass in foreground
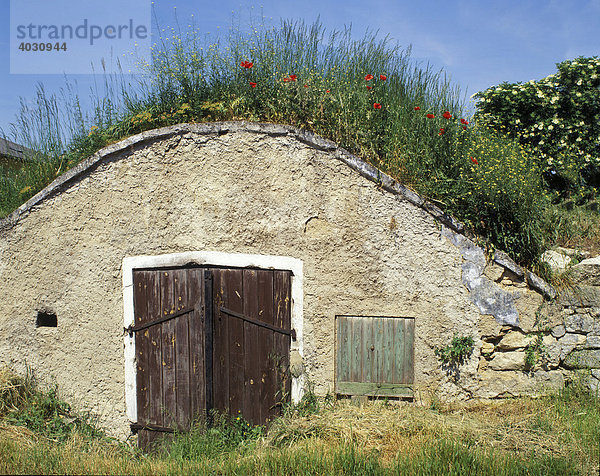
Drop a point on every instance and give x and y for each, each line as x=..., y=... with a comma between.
x=552, y=435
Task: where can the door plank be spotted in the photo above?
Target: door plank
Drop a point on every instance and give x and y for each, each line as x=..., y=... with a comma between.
x=251, y=406
x=169, y=383
x=182, y=349
x=367, y=353
x=234, y=292
x=265, y=385
x=399, y=337
x=378, y=349
x=409, y=351
x=356, y=353
x=197, y=369
x=140, y=305
x=220, y=346
x=387, y=346
x=281, y=345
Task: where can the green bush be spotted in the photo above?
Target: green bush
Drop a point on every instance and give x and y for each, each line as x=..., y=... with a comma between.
x=558, y=118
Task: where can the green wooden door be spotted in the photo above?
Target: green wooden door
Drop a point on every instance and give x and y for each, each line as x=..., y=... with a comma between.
x=374, y=356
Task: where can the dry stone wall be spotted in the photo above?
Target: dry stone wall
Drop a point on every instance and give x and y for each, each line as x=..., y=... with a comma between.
x=559, y=345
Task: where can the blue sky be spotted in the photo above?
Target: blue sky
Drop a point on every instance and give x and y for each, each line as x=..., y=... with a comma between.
x=478, y=43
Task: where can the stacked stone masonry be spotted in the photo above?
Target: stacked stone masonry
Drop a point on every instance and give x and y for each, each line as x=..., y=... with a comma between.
x=561, y=345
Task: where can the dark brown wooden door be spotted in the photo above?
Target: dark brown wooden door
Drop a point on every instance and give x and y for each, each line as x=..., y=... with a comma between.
x=170, y=350
x=210, y=338
x=250, y=360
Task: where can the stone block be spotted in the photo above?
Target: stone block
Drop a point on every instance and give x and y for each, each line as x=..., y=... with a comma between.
x=493, y=271
x=540, y=285
x=489, y=327
x=557, y=350
x=583, y=359
x=487, y=348
x=579, y=323
x=592, y=342
x=557, y=261
x=588, y=272
x=527, y=303
x=508, y=361
x=504, y=260
x=514, y=340
x=511, y=384
x=558, y=331
x=552, y=351
x=573, y=253
x=568, y=342
x=581, y=296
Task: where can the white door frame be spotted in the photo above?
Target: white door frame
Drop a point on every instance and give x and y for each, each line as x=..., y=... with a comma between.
x=211, y=258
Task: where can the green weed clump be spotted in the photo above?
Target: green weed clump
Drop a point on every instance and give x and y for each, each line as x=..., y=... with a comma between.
x=24, y=403
x=457, y=351
x=365, y=94
x=224, y=435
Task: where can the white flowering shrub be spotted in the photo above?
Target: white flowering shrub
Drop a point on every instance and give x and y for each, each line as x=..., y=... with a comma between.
x=557, y=118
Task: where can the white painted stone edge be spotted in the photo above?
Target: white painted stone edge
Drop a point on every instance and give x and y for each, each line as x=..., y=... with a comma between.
x=215, y=258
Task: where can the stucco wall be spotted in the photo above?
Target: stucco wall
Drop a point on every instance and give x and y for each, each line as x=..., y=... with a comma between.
x=235, y=189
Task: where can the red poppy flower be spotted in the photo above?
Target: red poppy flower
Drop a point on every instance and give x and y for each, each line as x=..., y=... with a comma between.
x=430, y=116
x=286, y=80
x=417, y=108
x=306, y=85
x=474, y=160
x=246, y=64
x=442, y=131
x=293, y=77
x=383, y=77
x=462, y=121
x=465, y=128
x=328, y=91
x=369, y=87
x=252, y=84
x=447, y=115
x=368, y=77
x=377, y=105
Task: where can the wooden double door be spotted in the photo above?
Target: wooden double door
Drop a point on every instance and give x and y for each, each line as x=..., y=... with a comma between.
x=210, y=339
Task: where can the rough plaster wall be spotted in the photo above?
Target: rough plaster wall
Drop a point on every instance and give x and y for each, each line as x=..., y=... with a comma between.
x=238, y=192
x=366, y=251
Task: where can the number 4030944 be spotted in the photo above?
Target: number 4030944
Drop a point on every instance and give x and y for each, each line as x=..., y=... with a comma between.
x=43, y=46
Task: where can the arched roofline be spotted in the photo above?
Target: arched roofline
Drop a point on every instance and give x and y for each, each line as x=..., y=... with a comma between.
x=274, y=130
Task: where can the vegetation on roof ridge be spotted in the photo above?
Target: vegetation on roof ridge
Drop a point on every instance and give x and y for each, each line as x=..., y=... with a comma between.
x=366, y=95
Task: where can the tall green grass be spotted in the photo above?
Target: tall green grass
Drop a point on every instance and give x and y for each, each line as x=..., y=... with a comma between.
x=23, y=402
x=365, y=94
x=555, y=435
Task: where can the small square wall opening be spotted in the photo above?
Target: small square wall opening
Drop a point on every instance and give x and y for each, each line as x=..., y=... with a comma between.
x=46, y=319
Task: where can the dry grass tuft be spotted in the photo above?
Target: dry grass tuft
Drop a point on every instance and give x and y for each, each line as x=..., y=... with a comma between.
x=521, y=426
